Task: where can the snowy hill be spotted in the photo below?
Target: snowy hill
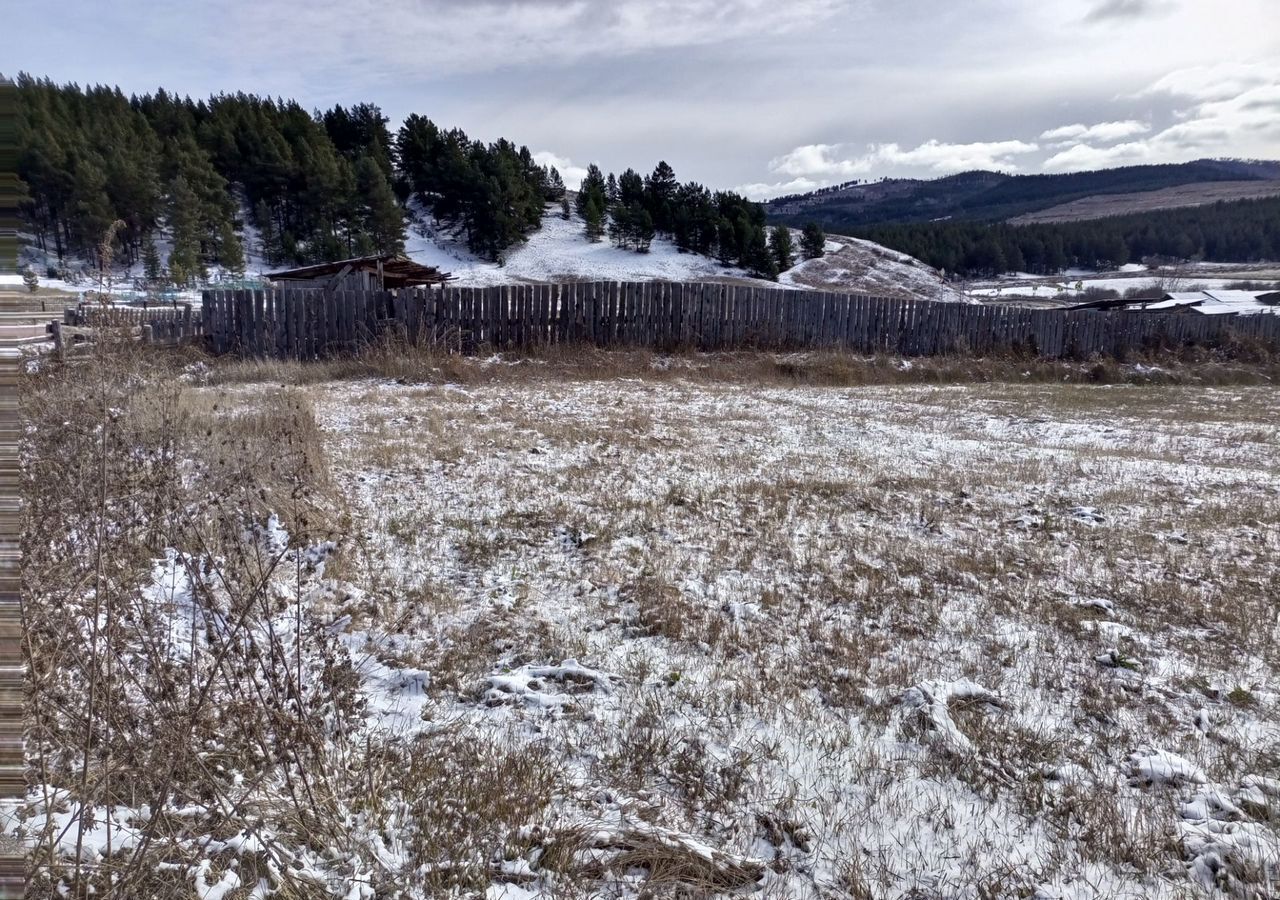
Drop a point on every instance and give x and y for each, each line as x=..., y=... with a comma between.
x=559, y=252
x=863, y=267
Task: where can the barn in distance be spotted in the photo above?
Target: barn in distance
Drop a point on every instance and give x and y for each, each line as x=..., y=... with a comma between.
x=388, y=271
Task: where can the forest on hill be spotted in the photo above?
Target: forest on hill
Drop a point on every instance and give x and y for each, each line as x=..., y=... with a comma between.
x=1239, y=231
x=317, y=186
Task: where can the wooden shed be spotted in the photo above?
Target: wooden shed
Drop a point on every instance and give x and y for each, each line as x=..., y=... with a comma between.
x=388, y=271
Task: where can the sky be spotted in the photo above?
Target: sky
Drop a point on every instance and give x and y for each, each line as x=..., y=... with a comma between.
x=767, y=98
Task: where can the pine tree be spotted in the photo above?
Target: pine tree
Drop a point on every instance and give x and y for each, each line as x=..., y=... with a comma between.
x=31, y=279
x=619, y=225
x=660, y=196
x=642, y=229
x=185, y=264
x=630, y=188
x=150, y=259
x=781, y=247
x=382, y=219
x=230, y=251
x=564, y=206
x=592, y=188
x=757, y=259
x=726, y=242
x=593, y=215
x=268, y=240
x=555, y=185
x=813, y=241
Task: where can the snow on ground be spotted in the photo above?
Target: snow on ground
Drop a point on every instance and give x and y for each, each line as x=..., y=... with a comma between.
x=858, y=266
x=1074, y=282
x=559, y=251
x=853, y=634
x=740, y=640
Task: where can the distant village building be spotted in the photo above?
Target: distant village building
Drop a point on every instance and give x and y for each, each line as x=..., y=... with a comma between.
x=388, y=271
x=1203, y=303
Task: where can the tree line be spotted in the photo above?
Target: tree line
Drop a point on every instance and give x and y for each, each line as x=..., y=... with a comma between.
x=1227, y=231
x=303, y=187
x=631, y=209
x=314, y=186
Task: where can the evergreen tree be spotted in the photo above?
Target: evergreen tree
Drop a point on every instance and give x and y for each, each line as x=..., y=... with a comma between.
x=185, y=263
x=30, y=279
x=726, y=242
x=230, y=251
x=381, y=218
x=593, y=216
x=593, y=188
x=564, y=206
x=90, y=210
x=619, y=225
x=642, y=228
x=150, y=259
x=268, y=240
x=555, y=185
x=813, y=242
x=660, y=196
x=757, y=258
x=780, y=245
x=630, y=188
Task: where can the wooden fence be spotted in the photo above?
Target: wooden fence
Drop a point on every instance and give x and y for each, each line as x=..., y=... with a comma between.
x=310, y=324
x=161, y=324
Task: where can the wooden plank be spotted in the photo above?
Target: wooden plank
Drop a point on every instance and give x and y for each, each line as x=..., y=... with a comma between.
x=679, y=292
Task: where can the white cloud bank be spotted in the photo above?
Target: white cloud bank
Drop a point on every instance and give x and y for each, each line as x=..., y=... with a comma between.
x=1104, y=132
x=1234, y=111
x=1220, y=110
x=819, y=165
x=571, y=173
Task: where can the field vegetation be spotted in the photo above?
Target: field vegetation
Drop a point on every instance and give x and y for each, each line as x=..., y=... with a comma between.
x=626, y=625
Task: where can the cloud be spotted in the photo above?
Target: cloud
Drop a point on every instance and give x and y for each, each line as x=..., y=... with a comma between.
x=1242, y=125
x=831, y=161
x=572, y=174
x=768, y=191
x=1104, y=132
x=1216, y=81
x=1082, y=157
x=447, y=37
x=1110, y=10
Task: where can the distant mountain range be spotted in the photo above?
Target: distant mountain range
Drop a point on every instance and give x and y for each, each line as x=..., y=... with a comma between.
x=994, y=196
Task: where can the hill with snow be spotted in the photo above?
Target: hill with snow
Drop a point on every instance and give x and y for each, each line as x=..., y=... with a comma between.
x=559, y=251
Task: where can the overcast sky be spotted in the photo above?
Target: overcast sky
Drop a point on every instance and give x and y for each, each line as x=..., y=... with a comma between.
x=767, y=97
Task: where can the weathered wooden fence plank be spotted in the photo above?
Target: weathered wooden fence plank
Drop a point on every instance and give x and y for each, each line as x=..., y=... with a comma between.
x=308, y=324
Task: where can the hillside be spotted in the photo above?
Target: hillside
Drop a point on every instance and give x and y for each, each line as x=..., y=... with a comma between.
x=863, y=267
x=1101, y=206
x=558, y=251
x=994, y=196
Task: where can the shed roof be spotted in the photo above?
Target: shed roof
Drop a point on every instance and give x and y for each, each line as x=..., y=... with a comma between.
x=397, y=270
x=1209, y=303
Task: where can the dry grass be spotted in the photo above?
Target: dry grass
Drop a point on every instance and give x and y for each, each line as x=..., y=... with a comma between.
x=761, y=555
x=1241, y=363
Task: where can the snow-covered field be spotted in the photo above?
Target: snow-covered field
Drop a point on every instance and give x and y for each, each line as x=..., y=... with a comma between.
x=941, y=640
x=752, y=640
x=1073, y=283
